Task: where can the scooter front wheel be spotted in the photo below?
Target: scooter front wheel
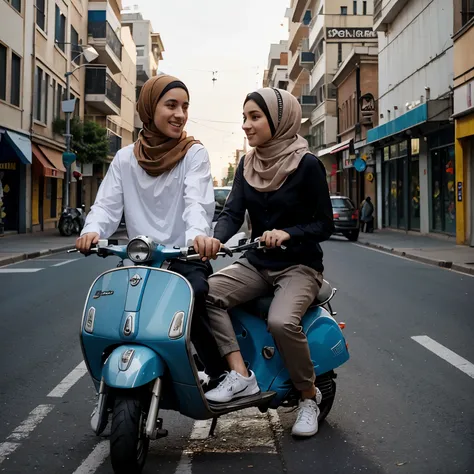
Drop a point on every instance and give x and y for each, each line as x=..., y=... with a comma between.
x=128, y=441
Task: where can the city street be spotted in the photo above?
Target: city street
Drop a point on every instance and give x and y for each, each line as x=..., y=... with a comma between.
x=400, y=408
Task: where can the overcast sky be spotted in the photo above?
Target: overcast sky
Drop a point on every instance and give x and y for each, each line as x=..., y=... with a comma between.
x=228, y=36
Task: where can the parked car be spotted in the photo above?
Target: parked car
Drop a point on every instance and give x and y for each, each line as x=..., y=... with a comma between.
x=220, y=195
x=346, y=217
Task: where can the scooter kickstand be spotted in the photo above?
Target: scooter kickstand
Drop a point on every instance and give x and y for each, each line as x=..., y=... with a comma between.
x=213, y=427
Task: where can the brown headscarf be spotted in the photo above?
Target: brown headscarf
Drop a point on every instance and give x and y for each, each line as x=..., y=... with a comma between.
x=267, y=166
x=155, y=152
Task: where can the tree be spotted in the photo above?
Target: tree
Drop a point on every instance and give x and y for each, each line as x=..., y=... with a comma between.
x=89, y=140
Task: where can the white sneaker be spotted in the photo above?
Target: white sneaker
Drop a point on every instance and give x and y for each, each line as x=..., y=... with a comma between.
x=306, y=423
x=232, y=387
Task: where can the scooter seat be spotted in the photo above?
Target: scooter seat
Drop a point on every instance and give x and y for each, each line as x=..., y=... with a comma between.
x=261, y=306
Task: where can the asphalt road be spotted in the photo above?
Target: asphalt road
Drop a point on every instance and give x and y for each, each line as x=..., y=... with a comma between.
x=400, y=407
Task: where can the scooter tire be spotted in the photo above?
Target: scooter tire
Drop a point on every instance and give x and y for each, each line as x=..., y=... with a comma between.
x=128, y=441
x=66, y=228
x=326, y=403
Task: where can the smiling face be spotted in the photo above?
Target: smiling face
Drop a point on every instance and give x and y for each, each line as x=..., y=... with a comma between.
x=171, y=113
x=256, y=125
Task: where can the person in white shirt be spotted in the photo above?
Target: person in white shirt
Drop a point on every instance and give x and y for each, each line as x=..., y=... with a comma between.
x=163, y=185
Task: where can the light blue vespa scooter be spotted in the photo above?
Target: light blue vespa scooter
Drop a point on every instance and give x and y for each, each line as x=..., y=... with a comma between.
x=135, y=338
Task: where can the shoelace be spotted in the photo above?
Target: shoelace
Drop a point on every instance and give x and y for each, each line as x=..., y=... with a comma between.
x=230, y=378
x=306, y=414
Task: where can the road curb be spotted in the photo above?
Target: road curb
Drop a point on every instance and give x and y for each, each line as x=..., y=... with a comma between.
x=28, y=256
x=429, y=261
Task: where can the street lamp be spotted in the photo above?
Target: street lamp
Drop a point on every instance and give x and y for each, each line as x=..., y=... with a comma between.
x=90, y=54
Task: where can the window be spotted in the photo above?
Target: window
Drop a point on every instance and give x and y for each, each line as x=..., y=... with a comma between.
x=343, y=10
x=140, y=52
x=41, y=99
x=75, y=48
x=59, y=100
x=41, y=14
x=3, y=72
x=355, y=7
x=16, y=80
x=16, y=4
x=364, y=8
x=60, y=29
x=339, y=53
x=467, y=11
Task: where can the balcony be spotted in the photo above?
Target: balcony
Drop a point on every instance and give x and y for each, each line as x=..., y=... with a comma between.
x=107, y=43
x=385, y=11
x=308, y=103
x=299, y=9
x=316, y=30
x=298, y=32
x=102, y=92
x=318, y=71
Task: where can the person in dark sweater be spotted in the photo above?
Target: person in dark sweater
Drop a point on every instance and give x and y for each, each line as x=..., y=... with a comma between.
x=285, y=191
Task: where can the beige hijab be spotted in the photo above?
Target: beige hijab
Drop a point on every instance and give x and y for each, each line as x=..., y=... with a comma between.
x=156, y=153
x=268, y=166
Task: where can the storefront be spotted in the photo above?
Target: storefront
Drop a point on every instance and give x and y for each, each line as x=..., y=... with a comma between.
x=15, y=158
x=442, y=182
x=47, y=179
x=333, y=164
x=401, y=185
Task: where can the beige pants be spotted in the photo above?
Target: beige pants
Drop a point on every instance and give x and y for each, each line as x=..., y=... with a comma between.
x=295, y=288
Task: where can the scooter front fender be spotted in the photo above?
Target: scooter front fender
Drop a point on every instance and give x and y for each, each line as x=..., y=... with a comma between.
x=131, y=366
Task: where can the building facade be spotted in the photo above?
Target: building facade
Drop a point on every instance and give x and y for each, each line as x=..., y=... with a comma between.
x=356, y=82
x=149, y=49
x=332, y=29
x=276, y=74
x=414, y=142
x=15, y=116
x=464, y=119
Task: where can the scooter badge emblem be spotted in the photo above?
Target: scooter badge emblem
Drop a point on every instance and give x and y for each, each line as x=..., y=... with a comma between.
x=135, y=280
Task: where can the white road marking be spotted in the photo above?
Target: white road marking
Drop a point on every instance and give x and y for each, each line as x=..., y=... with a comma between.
x=446, y=354
x=386, y=252
x=20, y=270
x=95, y=459
x=201, y=429
x=6, y=449
x=64, y=263
x=75, y=375
x=23, y=430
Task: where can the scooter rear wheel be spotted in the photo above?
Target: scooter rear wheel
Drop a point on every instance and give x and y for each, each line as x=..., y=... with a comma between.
x=128, y=441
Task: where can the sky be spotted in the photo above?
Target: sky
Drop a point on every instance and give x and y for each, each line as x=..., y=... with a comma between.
x=227, y=36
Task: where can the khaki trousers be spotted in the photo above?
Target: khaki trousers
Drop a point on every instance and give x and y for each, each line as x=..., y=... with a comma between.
x=295, y=288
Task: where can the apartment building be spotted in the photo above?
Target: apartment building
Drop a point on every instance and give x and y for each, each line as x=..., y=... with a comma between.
x=149, y=48
x=276, y=74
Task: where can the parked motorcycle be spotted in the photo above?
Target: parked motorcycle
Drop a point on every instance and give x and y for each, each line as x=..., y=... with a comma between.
x=135, y=338
x=72, y=220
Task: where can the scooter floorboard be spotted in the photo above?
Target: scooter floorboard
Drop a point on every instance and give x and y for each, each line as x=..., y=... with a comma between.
x=254, y=401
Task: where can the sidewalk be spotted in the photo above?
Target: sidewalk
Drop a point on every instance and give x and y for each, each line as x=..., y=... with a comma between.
x=431, y=250
x=17, y=247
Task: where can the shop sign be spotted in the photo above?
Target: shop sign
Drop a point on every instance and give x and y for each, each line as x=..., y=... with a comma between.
x=11, y=166
x=351, y=33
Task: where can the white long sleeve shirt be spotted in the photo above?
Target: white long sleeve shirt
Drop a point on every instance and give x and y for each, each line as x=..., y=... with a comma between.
x=172, y=209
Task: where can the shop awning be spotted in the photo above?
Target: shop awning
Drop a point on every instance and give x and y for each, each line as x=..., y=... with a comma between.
x=406, y=121
x=49, y=168
x=54, y=156
x=22, y=146
x=335, y=148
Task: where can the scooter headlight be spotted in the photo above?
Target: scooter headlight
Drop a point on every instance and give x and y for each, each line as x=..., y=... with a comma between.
x=139, y=250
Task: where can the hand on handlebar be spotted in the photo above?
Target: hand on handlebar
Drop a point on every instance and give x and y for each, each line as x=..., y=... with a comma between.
x=84, y=243
x=207, y=247
x=274, y=238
